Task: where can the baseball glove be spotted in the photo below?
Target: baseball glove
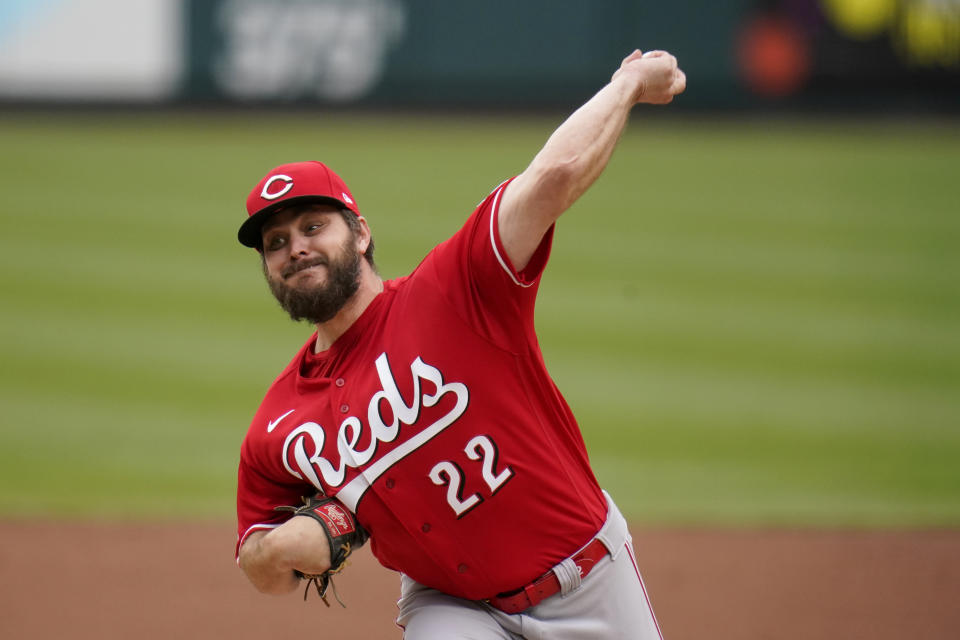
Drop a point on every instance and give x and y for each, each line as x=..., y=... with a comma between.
x=344, y=534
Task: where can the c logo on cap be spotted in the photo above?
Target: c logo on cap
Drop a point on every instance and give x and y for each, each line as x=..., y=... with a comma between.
x=265, y=193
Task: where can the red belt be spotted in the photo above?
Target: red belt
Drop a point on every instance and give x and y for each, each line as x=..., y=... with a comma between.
x=547, y=585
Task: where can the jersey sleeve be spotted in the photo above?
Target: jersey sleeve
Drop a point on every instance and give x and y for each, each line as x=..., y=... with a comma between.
x=257, y=495
x=476, y=275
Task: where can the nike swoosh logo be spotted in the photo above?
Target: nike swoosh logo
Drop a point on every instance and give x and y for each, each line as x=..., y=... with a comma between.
x=273, y=423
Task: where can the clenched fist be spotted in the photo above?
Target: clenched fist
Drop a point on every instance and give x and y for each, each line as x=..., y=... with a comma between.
x=655, y=76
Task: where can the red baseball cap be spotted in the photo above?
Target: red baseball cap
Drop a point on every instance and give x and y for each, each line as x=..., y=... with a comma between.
x=309, y=181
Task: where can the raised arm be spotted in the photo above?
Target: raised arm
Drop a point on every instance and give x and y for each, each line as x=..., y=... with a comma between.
x=578, y=151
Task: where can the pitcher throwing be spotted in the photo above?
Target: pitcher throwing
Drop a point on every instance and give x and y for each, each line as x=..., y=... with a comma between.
x=420, y=413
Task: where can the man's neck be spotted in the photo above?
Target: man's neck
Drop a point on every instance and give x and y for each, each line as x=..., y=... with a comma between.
x=370, y=287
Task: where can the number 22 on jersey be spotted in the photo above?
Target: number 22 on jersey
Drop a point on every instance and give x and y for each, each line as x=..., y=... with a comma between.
x=483, y=451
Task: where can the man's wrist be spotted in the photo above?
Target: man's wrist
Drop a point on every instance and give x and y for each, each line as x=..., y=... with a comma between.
x=632, y=84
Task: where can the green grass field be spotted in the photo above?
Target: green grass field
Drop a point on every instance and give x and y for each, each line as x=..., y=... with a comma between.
x=757, y=323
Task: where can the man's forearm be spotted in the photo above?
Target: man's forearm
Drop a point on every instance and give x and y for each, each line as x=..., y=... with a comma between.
x=580, y=148
x=269, y=558
x=259, y=561
x=578, y=151
x=583, y=144
x=570, y=161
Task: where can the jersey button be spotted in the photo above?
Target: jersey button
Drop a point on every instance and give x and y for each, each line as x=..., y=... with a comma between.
x=339, y=382
x=389, y=483
x=426, y=527
x=344, y=408
x=463, y=568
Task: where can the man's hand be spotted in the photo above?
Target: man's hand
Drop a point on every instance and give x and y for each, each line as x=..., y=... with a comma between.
x=655, y=76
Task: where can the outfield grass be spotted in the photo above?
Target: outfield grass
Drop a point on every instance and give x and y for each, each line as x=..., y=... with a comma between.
x=756, y=322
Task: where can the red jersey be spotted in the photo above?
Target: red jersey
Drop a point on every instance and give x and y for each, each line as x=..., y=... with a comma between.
x=434, y=419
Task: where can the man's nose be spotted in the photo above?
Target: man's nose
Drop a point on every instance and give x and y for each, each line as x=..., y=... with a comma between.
x=298, y=246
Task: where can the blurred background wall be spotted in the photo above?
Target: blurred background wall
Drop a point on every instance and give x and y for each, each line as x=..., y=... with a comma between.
x=881, y=55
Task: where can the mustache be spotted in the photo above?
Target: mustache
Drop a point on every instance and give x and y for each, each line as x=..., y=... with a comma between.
x=297, y=267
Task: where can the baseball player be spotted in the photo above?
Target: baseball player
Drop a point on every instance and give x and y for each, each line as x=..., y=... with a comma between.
x=420, y=414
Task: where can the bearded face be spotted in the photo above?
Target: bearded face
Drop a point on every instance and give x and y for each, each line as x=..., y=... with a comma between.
x=318, y=302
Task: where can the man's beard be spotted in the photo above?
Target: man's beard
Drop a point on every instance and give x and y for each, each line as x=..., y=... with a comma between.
x=321, y=302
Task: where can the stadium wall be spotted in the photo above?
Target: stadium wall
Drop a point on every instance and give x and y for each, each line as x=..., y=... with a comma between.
x=814, y=54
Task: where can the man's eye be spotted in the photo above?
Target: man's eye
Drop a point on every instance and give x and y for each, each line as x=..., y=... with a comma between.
x=274, y=243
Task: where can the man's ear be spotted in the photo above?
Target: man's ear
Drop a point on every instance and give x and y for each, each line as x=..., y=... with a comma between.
x=363, y=235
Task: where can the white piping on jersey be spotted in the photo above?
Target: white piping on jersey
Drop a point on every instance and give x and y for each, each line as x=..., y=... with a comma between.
x=494, y=214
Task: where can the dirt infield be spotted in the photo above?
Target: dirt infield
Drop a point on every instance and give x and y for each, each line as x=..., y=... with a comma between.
x=179, y=581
